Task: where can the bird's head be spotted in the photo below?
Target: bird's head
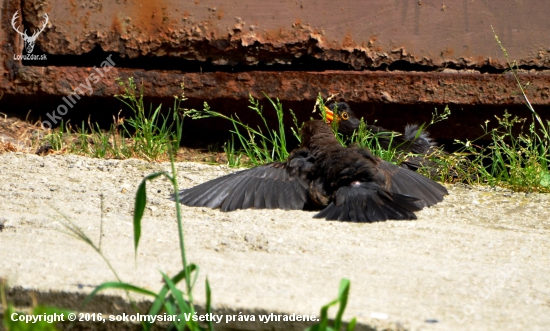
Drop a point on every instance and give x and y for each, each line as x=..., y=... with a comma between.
x=344, y=117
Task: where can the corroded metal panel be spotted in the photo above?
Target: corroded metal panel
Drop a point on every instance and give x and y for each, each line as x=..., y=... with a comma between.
x=365, y=86
x=363, y=34
x=395, y=52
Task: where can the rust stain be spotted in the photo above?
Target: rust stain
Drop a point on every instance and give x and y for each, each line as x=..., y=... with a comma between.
x=448, y=52
x=149, y=17
x=348, y=40
x=376, y=86
x=143, y=28
x=115, y=25
x=85, y=19
x=156, y=29
x=480, y=61
x=372, y=44
x=276, y=35
x=72, y=7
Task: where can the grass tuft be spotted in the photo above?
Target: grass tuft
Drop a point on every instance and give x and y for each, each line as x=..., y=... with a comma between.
x=342, y=301
x=147, y=134
x=517, y=156
x=259, y=145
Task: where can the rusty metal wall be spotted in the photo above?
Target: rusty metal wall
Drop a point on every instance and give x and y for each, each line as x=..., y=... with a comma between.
x=400, y=52
x=364, y=34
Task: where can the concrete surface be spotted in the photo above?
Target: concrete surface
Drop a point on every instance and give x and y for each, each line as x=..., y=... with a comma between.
x=477, y=261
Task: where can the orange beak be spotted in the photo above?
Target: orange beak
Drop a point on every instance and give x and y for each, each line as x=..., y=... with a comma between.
x=329, y=115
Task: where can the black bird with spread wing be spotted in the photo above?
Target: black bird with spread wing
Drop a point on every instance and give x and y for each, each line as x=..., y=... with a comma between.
x=348, y=184
x=413, y=140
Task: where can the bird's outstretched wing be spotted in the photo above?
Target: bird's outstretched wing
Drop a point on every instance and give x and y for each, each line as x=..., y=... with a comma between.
x=404, y=181
x=368, y=202
x=275, y=185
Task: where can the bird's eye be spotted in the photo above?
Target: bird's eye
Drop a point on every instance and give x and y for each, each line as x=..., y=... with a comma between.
x=345, y=116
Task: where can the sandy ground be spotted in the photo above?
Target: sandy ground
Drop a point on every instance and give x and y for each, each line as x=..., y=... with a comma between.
x=477, y=261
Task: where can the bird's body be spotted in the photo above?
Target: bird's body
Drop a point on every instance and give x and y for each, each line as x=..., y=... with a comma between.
x=414, y=140
x=349, y=183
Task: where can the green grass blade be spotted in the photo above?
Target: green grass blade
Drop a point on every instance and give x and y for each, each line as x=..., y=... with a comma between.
x=351, y=325
x=141, y=200
x=184, y=307
x=324, y=315
x=159, y=301
x=119, y=286
x=139, y=208
x=343, y=298
x=343, y=294
x=209, y=303
x=171, y=309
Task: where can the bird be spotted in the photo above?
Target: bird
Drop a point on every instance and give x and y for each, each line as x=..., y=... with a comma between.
x=345, y=184
x=414, y=140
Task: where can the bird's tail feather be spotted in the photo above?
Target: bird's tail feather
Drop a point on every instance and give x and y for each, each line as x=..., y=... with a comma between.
x=368, y=202
x=410, y=183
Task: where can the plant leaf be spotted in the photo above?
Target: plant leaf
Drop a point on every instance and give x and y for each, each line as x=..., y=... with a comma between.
x=157, y=304
x=545, y=179
x=343, y=298
x=139, y=208
x=120, y=286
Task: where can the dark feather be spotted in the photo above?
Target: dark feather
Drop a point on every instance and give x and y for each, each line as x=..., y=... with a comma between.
x=270, y=196
x=266, y=186
x=210, y=194
x=282, y=195
x=368, y=202
x=248, y=201
x=259, y=196
x=235, y=199
x=404, y=181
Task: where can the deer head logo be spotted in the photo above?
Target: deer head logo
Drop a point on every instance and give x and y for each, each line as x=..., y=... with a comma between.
x=29, y=41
